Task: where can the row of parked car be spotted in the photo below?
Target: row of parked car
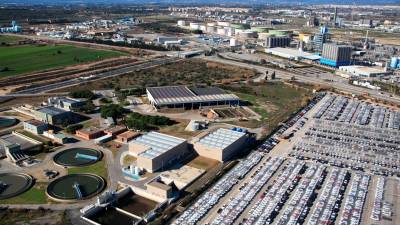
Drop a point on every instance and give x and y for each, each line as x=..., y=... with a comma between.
x=301, y=201
x=211, y=197
x=344, y=109
x=238, y=203
x=378, y=201
x=327, y=207
x=345, y=145
x=269, y=204
x=355, y=200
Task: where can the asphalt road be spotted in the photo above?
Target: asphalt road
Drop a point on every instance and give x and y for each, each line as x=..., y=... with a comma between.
x=339, y=84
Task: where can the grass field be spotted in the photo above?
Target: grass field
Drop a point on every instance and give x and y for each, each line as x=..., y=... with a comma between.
x=35, y=195
x=31, y=58
x=98, y=168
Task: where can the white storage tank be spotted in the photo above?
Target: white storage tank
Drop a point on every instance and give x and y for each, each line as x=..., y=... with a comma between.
x=233, y=42
x=181, y=23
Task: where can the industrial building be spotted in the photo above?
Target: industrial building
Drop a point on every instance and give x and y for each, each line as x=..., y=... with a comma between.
x=35, y=126
x=277, y=41
x=292, y=54
x=52, y=115
x=15, y=145
x=363, y=71
x=66, y=103
x=221, y=144
x=155, y=151
x=127, y=136
x=14, y=28
x=189, y=98
x=89, y=133
x=335, y=55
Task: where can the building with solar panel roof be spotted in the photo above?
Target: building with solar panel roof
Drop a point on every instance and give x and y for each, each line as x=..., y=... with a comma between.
x=221, y=144
x=156, y=151
x=189, y=98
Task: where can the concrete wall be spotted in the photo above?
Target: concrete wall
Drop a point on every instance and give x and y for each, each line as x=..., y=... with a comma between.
x=164, y=160
x=219, y=154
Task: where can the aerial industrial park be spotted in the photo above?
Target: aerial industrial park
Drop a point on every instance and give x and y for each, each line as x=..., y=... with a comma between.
x=201, y=113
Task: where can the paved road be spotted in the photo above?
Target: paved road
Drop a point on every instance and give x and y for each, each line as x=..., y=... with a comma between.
x=76, y=81
x=339, y=84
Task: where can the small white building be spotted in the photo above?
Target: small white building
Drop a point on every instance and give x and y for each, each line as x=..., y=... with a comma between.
x=363, y=71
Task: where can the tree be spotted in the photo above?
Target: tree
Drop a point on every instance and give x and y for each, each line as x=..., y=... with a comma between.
x=273, y=76
x=112, y=110
x=73, y=128
x=82, y=94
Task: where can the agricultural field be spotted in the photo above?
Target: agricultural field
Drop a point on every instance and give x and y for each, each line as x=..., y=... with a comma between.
x=186, y=72
x=23, y=59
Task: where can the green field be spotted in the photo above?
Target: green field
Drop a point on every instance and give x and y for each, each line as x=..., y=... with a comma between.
x=98, y=168
x=31, y=58
x=35, y=195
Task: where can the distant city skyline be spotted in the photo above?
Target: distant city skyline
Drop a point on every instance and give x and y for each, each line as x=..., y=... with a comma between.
x=250, y=2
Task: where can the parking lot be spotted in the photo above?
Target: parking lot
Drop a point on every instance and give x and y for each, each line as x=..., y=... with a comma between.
x=334, y=162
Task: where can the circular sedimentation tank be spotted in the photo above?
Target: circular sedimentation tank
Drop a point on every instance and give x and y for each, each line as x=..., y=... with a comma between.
x=76, y=157
x=7, y=122
x=74, y=187
x=14, y=184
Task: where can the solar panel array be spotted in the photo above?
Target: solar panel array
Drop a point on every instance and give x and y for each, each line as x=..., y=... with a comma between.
x=221, y=138
x=158, y=144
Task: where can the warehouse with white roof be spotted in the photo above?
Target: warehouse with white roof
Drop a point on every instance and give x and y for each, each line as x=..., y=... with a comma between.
x=221, y=144
x=156, y=151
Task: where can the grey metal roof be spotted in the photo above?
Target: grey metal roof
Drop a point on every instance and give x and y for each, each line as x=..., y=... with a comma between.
x=170, y=92
x=51, y=110
x=208, y=91
x=221, y=138
x=182, y=94
x=158, y=143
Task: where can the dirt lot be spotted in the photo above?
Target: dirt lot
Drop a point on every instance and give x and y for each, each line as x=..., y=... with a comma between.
x=22, y=216
x=187, y=72
x=204, y=163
